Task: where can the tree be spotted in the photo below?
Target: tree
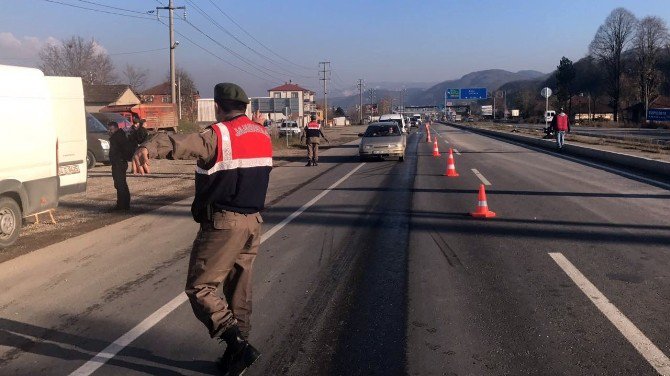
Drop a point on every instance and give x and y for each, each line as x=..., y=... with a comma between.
x=189, y=93
x=135, y=77
x=339, y=112
x=77, y=57
x=565, y=75
x=611, y=40
x=651, y=38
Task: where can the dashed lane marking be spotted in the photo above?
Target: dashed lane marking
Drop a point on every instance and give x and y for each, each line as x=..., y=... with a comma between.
x=481, y=177
x=457, y=152
x=115, y=347
x=640, y=342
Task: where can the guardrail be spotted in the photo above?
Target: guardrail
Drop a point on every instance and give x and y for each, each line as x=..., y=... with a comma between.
x=650, y=166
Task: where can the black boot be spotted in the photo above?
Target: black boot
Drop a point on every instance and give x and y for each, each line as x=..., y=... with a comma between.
x=315, y=163
x=239, y=354
x=309, y=163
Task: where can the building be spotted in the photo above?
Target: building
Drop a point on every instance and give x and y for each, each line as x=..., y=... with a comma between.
x=637, y=113
x=306, y=100
x=99, y=96
x=162, y=93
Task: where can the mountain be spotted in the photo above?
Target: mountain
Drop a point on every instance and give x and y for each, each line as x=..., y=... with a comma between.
x=491, y=79
x=419, y=94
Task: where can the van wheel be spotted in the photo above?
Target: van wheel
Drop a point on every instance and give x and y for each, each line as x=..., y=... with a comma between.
x=90, y=160
x=10, y=221
x=401, y=158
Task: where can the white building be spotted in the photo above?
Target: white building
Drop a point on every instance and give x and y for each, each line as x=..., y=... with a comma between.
x=306, y=100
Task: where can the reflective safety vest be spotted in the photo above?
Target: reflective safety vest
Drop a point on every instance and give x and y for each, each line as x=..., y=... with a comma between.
x=313, y=129
x=238, y=180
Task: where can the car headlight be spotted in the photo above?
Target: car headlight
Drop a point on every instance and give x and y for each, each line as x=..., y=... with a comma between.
x=104, y=143
x=368, y=146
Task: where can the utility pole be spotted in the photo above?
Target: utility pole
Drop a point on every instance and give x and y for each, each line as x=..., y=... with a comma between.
x=360, y=100
x=173, y=45
x=325, y=77
x=179, y=94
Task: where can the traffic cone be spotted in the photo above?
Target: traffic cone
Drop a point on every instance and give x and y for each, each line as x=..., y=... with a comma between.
x=482, y=207
x=428, y=134
x=436, y=151
x=451, y=167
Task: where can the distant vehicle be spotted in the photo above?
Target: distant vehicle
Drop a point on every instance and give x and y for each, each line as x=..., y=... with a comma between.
x=470, y=119
x=415, y=120
x=106, y=117
x=458, y=117
x=43, y=135
x=97, y=141
x=157, y=116
x=382, y=140
x=289, y=128
x=549, y=116
x=398, y=119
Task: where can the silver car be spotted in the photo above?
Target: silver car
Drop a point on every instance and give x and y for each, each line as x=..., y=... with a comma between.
x=382, y=140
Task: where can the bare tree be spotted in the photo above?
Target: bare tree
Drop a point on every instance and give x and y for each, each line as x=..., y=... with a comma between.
x=77, y=57
x=611, y=40
x=651, y=38
x=135, y=77
x=189, y=93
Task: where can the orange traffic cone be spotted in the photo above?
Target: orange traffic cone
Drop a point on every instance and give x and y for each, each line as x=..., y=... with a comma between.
x=428, y=134
x=482, y=207
x=451, y=167
x=436, y=151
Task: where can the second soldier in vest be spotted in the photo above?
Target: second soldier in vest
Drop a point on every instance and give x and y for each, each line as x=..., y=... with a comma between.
x=313, y=135
x=232, y=174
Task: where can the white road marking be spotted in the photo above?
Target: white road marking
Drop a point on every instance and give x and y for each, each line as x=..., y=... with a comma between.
x=642, y=344
x=457, y=152
x=115, y=347
x=481, y=177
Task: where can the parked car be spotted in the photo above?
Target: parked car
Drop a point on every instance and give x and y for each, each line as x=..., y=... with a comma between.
x=97, y=140
x=290, y=128
x=398, y=119
x=106, y=117
x=382, y=140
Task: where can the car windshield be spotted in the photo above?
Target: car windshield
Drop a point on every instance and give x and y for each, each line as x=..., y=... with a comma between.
x=94, y=125
x=382, y=131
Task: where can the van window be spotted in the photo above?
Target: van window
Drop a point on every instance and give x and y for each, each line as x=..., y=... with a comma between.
x=94, y=125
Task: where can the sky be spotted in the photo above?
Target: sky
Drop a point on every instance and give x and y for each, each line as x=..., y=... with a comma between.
x=262, y=43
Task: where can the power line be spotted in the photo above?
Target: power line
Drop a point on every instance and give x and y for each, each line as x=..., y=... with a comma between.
x=138, y=52
x=217, y=56
x=98, y=10
x=110, y=7
x=240, y=57
x=256, y=40
x=220, y=27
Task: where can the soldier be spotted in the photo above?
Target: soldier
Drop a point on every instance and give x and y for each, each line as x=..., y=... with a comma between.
x=119, y=154
x=234, y=159
x=313, y=135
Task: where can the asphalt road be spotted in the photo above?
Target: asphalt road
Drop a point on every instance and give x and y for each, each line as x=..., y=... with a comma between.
x=380, y=271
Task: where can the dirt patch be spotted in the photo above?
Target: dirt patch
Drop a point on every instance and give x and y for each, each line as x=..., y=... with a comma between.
x=169, y=182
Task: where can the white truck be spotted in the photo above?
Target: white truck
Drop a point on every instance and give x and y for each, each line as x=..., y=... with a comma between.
x=43, y=144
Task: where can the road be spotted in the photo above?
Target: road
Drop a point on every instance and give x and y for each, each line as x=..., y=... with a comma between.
x=376, y=268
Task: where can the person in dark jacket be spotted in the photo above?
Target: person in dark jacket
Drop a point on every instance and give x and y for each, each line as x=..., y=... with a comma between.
x=234, y=159
x=313, y=133
x=118, y=158
x=138, y=134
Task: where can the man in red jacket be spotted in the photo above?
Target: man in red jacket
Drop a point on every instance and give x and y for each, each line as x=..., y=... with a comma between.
x=562, y=126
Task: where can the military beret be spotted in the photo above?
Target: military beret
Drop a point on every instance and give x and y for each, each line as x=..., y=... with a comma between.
x=228, y=91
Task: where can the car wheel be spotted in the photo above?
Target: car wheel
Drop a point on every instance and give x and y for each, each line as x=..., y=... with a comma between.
x=362, y=158
x=401, y=158
x=90, y=160
x=10, y=221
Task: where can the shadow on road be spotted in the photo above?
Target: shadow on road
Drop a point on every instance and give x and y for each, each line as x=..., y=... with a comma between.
x=55, y=343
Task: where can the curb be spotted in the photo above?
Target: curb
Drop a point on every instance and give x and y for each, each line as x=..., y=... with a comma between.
x=646, y=165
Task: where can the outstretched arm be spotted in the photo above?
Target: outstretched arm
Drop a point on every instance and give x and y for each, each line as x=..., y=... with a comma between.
x=201, y=146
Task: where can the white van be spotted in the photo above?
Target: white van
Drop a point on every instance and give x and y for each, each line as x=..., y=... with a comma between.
x=30, y=154
x=549, y=116
x=396, y=118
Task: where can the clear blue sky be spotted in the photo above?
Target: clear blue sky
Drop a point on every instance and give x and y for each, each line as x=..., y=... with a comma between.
x=416, y=41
